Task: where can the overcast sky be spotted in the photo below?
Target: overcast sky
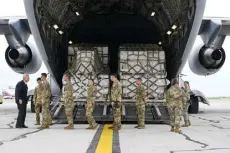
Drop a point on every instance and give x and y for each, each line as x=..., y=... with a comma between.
x=215, y=85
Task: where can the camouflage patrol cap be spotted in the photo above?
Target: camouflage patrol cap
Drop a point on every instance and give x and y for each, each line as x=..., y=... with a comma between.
x=38, y=79
x=44, y=74
x=139, y=79
x=174, y=81
x=186, y=82
x=114, y=74
x=67, y=74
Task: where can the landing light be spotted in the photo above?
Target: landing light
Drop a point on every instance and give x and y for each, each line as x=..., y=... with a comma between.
x=153, y=13
x=174, y=27
x=70, y=42
x=61, y=32
x=169, y=32
x=55, y=26
x=77, y=13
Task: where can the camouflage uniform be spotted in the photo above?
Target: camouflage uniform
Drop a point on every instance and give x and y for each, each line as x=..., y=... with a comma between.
x=68, y=102
x=175, y=98
x=140, y=106
x=46, y=94
x=37, y=102
x=91, y=97
x=116, y=99
x=185, y=107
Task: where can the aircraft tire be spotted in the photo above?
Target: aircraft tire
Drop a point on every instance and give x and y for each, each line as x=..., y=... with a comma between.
x=194, y=107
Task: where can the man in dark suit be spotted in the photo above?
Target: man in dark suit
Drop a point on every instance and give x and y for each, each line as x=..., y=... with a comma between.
x=21, y=100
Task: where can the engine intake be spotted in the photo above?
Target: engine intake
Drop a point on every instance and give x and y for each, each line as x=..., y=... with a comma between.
x=23, y=59
x=206, y=61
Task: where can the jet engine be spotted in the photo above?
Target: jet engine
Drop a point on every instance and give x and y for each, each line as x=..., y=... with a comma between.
x=206, y=61
x=24, y=59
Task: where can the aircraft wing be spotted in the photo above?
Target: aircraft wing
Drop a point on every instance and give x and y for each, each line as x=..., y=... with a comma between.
x=6, y=22
x=213, y=31
x=15, y=29
x=210, y=22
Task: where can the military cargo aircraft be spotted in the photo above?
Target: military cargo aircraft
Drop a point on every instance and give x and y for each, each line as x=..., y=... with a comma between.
x=149, y=39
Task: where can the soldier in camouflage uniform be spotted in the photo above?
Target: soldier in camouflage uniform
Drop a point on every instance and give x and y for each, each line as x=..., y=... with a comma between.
x=187, y=91
x=37, y=100
x=68, y=101
x=90, y=103
x=174, y=98
x=46, y=94
x=140, y=104
x=116, y=92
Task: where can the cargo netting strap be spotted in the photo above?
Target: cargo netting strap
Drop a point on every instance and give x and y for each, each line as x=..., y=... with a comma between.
x=147, y=62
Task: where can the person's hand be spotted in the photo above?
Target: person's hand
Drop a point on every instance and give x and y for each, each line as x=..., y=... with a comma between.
x=20, y=101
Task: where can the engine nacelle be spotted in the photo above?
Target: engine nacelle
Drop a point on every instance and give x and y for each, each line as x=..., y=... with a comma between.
x=206, y=61
x=24, y=60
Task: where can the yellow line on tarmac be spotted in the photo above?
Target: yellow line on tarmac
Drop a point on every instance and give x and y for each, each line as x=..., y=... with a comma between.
x=105, y=143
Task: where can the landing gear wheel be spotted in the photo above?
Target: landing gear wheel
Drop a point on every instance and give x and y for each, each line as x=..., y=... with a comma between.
x=194, y=107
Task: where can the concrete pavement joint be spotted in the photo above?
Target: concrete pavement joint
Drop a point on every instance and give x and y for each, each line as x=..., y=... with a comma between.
x=10, y=125
x=3, y=114
x=211, y=149
x=20, y=137
x=226, y=118
x=204, y=145
x=219, y=127
x=25, y=135
x=213, y=121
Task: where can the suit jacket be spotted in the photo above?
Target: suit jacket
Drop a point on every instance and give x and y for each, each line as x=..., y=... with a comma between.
x=21, y=91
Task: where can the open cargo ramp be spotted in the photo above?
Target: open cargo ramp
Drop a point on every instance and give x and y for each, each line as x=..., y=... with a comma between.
x=146, y=61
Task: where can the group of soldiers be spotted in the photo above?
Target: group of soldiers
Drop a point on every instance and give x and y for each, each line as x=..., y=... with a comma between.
x=42, y=96
x=177, y=101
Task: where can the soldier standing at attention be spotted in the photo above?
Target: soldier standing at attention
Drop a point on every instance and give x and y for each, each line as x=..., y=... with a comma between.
x=46, y=94
x=37, y=100
x=90, y=103
x=68, y=101
x=140, y=104
x=187, y=91
x=174, y=98
x=116, y=103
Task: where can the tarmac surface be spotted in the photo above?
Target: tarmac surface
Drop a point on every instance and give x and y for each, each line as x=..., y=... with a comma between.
x=209, y=133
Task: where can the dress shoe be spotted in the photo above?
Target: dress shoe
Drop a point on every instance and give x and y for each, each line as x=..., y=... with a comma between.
x=24, y=126
x=18, y=126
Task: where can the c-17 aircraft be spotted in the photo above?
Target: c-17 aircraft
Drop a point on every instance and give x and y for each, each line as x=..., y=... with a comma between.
x=149, y=39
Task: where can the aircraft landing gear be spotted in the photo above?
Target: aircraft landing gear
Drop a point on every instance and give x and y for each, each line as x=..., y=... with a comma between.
x=194, y=107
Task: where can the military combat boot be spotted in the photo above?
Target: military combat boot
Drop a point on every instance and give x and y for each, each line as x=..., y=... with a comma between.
x=69, y=127
x=177, y=130
x=95, y=126
x=89, y=128
x=189, y=123
x=38, y=123
x=116, y=128
x=186, y=124
x=43, y=127
x=172, y=129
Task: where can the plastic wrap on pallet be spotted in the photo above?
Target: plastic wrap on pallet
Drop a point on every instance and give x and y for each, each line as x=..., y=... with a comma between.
x=89, y=63
x=147, y=64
